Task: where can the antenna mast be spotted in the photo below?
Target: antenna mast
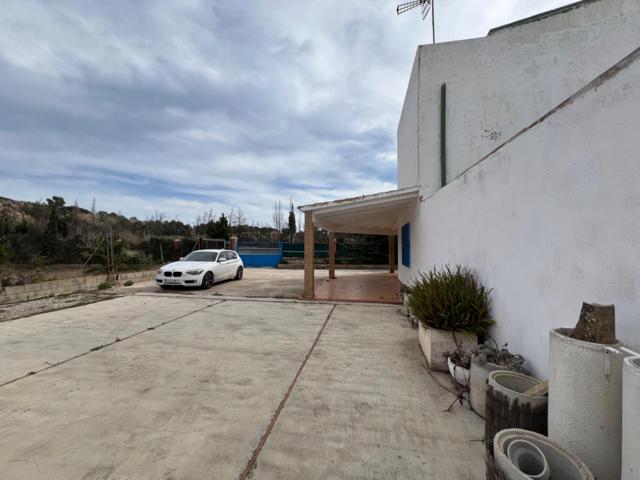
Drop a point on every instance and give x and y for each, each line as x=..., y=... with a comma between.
x=427, y=5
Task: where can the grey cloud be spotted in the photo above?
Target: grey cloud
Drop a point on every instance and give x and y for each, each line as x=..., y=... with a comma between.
x=178, y=106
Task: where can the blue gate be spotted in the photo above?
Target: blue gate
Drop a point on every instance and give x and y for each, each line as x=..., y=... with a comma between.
x=259, y=254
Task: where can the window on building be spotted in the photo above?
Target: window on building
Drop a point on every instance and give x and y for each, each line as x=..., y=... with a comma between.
x=406, y=245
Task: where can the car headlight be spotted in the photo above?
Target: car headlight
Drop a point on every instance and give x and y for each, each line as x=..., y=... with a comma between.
x=160, y=272
x=194, y=272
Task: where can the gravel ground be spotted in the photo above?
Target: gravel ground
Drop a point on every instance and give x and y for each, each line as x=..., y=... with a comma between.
x=11, y=311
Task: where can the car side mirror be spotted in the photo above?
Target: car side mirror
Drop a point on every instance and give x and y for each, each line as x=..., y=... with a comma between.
x=221, y=260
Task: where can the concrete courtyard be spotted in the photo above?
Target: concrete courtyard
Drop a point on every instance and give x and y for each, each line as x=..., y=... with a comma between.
x=164, y=386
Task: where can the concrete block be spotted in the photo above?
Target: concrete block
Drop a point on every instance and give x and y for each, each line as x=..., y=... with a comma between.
x=436, y=344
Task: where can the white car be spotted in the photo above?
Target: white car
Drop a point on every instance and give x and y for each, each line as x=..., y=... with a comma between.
x=201, y=268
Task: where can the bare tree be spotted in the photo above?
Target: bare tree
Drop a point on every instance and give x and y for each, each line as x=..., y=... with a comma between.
x=93, y=209
x=205, y=218
x=158, y=216
x=240, y=217
x=278, y=217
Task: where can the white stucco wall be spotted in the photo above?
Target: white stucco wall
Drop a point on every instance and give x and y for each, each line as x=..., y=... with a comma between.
x=408, y=130
x=549, y=220
x=498, y=84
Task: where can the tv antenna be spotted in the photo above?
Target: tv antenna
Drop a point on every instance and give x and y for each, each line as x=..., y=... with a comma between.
x=427, y=6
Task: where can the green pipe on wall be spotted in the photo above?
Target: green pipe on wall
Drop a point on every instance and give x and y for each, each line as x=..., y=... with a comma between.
x=443, y=134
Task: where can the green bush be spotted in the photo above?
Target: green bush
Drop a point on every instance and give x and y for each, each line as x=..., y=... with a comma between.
x=128, y=283
x=104, y=286
x=451, y=299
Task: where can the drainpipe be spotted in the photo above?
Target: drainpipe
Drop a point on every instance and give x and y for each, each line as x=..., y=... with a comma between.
x=443, y=134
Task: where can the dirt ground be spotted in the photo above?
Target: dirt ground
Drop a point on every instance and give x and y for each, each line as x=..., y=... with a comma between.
x=11, y=311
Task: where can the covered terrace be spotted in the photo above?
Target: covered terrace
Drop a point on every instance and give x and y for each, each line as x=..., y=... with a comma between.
x=376, y=214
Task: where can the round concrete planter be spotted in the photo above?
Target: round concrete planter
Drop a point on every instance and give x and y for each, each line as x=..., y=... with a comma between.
x=631, y=419
x=436, y=344
x=513, y=385
x=480, y=371
x=585, y=402
x=459, y=374
x=561, y=464
x=508, y=406
x=528, y=459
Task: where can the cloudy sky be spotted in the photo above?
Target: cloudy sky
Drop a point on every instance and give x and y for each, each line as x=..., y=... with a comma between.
x=186, y=105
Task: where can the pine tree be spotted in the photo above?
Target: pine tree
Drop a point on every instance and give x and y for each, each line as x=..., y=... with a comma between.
x=292, y=222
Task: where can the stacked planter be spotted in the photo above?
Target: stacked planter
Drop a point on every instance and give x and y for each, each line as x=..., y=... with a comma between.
x=560, y=464
x=508, y=406
x=631, y=419
x=585, y=401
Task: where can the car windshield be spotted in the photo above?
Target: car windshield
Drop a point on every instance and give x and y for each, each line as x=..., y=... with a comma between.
x=201, y=257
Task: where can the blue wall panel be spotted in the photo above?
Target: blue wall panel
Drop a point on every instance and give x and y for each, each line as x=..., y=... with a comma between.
x=260, y=255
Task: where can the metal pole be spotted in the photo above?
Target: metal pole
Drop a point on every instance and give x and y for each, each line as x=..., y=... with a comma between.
x=443, y=134
x=433, y=20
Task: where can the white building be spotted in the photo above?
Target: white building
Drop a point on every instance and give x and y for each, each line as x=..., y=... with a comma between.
x=519, y=156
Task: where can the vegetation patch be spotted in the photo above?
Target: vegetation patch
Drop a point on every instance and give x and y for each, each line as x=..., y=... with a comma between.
x=451, y=299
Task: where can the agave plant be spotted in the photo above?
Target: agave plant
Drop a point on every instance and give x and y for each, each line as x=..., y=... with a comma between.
x=451, y=299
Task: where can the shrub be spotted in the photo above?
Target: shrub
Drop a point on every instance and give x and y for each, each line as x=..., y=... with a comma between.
x=128, y=283
x=451, y=299
x=500, y=356
x=104, y=286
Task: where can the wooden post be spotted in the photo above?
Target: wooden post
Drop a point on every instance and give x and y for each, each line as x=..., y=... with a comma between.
x=309, y=239
x=332, y=256
x=392, y=253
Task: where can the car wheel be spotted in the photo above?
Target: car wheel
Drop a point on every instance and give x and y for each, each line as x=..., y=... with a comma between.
x=207, y=281
x=239, y=273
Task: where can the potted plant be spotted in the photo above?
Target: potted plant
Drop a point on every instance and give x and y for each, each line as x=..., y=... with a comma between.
x=459, y=363
x=452, y=308
x=485, y=359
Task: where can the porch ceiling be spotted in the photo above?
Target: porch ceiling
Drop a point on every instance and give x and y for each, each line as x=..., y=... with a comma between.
x=374, y=214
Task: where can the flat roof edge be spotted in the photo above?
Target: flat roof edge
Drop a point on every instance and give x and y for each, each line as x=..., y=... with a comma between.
x=541, y=16
x=401, y=192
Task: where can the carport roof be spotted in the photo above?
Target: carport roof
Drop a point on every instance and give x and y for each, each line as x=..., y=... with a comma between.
x=376, y=214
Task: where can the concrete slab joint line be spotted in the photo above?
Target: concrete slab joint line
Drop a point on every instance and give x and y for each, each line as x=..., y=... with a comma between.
x=108, y=344
x=253, y=461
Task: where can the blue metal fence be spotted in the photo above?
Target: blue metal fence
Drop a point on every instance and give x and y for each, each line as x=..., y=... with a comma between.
x=260, y=254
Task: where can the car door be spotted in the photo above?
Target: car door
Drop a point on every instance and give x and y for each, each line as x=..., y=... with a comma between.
x=234, y=263
x=218, y=268
x=225, y=265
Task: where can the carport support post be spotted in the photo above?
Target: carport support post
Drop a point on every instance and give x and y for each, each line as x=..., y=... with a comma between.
x=332, y=255
x=392, y=253
x=309, y=239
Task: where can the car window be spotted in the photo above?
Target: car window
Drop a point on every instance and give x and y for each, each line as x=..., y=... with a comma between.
x=232, y=255
x=223, y=255
x=200, y=256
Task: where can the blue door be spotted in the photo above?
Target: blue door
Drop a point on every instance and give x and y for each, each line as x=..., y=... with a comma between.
x=406, y=245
